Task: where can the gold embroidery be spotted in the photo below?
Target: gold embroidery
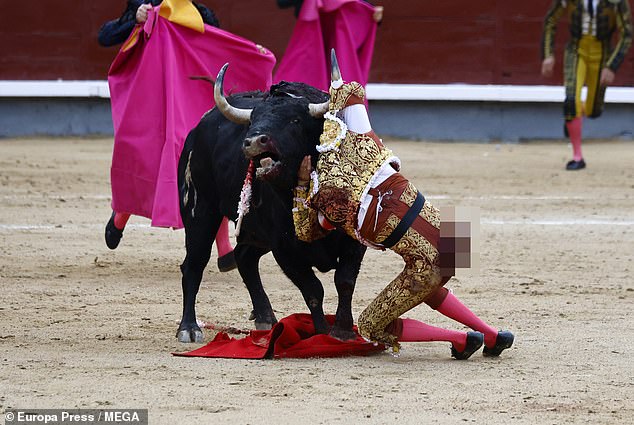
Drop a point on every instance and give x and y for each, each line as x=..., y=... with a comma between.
x=346, y=172
x=409, y=194
x=410, y=288
x=420, y=277
x=307, y=226
x=339, y=97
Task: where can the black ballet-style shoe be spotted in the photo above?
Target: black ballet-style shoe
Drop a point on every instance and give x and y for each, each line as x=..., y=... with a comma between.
x=474, y=342
x=113, y=235
x=503, y=341
x=576, y=165
x=227, y=262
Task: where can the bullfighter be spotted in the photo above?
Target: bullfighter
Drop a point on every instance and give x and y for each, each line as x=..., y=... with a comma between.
x=357, y=188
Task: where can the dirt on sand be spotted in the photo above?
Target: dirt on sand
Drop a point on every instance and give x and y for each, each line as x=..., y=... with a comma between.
x=85, y=327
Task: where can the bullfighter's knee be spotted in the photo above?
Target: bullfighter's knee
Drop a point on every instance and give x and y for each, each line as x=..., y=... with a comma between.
x=373, y=330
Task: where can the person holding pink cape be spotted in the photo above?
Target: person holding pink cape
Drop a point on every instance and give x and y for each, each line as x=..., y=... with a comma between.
x=348, y=26
x=155, y=104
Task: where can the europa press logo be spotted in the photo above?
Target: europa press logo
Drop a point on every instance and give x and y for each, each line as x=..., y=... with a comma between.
x=76, y=416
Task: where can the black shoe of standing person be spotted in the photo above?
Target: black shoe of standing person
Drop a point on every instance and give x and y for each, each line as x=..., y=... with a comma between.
x=474, y=342
x=227, y=262
x=113, y=235
x=576, y=165
x=503, y=341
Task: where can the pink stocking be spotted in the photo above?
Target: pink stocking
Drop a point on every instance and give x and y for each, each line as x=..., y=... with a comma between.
x=222, y=238
x=120, y=220
x=416, y=331
x=453, y=308
x=574, y=131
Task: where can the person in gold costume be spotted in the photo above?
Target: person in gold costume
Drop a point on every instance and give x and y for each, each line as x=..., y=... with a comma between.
x=357, y=188
x=588, y=60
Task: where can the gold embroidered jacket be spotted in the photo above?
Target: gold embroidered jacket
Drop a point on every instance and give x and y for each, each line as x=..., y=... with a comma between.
x=610, y=16
x=347, y=163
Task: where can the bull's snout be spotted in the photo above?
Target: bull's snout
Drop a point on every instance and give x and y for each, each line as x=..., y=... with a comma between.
x=257, y=142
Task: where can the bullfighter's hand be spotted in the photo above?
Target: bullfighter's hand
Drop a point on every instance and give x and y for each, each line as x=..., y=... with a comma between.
x=607, y=77
x=303, y=174
x=142, y=12
x=378, y=14
x=548, y=65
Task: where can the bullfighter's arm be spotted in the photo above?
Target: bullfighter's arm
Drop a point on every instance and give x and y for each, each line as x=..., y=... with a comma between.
x=624, y=23
x=209, y=17
x=550, y=26
x=117, y=31
x=305, y=218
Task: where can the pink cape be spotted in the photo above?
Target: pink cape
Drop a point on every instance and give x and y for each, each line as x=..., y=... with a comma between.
x=345, y=25
x=155, y=104
x=292, y=337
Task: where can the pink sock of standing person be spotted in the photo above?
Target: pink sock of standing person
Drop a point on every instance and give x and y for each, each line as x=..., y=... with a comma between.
x=574, y=131
x=226, y=260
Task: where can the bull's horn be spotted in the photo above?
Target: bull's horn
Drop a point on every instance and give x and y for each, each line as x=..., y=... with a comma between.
x=318, y=110
x=335, y=72
x=237, y=115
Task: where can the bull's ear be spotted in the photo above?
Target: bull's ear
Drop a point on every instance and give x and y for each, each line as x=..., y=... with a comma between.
x=237, y=115
x=294, y=96
x=202, y=77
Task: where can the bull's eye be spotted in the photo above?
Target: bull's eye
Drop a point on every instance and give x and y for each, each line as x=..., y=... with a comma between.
x=295, y=121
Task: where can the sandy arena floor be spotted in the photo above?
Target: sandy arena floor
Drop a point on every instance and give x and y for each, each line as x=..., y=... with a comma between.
x=85, y=327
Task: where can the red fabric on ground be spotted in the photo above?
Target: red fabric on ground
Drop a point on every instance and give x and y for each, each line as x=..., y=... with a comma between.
x=292, y=337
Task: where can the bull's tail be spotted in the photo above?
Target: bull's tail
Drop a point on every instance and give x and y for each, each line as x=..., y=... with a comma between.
x=188, y=195
x=188, y=187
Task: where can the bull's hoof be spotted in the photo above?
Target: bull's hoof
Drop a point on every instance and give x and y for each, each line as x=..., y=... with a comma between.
x=190, y=335
x=321, y=326
x=262, y=326
x=343, y=334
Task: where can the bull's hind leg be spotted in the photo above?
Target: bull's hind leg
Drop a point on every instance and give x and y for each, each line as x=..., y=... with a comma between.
x=345, y=279
x=200, y=231
x=248, y=259
x=304, y=278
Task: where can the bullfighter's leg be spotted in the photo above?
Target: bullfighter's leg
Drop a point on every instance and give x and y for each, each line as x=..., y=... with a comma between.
x=248, y=259
x=226, y=258
x=463, y=344
x=345, y=279
x=200, y=231
x=410, y=288
x=446, y=303
x=302, y=275
x=380, y=320
x=114, y=229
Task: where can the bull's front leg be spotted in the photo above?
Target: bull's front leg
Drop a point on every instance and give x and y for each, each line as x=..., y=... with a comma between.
x=248, y=259
x=346, y=274
x=301, y=274
x=200, y=232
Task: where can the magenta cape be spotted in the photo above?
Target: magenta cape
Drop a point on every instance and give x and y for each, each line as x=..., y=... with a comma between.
x=345, y=25
x=292, y=337
x=155, y=105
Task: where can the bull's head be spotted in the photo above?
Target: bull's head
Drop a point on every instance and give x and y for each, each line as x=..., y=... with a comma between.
x=282, y=129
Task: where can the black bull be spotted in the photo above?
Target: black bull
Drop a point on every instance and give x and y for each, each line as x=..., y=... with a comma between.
x=211, y=172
